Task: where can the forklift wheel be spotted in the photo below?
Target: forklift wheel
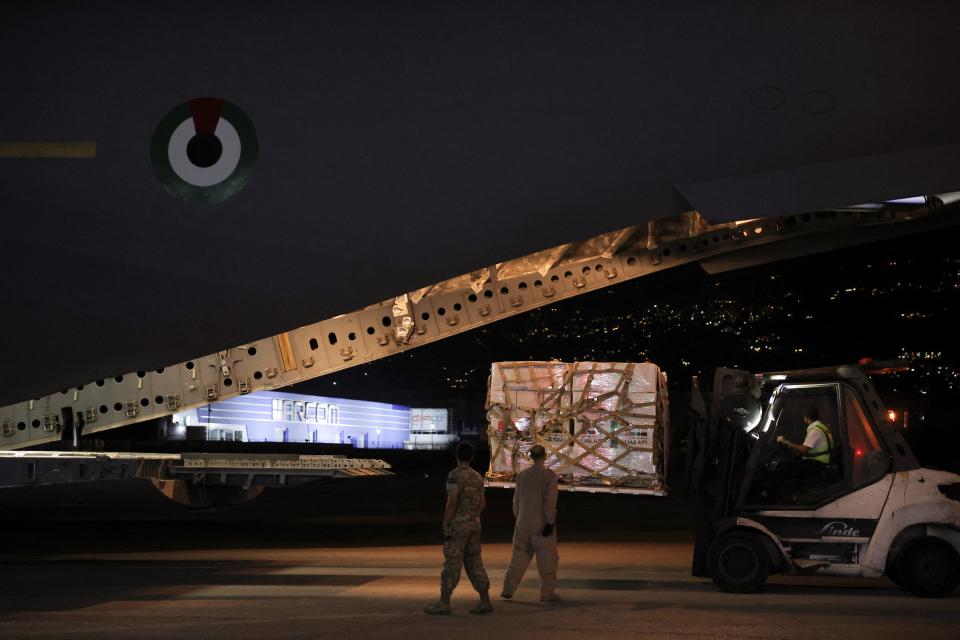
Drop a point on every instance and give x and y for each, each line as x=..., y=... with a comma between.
x=928, y=567
x=738, y=563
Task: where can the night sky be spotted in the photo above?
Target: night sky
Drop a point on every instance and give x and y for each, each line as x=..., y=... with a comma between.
x=893, y=299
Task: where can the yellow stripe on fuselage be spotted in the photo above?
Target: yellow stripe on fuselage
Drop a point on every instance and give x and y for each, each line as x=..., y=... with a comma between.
x=48, y=149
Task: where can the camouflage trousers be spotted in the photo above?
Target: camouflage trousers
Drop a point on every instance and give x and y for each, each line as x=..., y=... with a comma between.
x=462, y=549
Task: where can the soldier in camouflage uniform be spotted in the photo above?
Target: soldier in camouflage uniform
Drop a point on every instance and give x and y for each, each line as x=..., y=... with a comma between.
x=461, y=531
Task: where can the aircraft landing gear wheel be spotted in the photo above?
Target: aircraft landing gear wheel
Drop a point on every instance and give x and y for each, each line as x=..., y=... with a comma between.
x=738, y=563
x=928, y=567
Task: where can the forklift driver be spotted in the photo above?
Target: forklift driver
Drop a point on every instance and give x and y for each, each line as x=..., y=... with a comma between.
x=809, y=458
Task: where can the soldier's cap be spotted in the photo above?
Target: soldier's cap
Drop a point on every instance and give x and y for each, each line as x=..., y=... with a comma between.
x=537, y=452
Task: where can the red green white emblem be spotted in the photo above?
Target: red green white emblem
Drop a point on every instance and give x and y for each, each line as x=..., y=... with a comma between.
x=204, y=150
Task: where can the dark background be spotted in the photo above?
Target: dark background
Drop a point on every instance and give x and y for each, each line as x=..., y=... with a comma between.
x=405, y=143
x=886, y=300
x=891, y=300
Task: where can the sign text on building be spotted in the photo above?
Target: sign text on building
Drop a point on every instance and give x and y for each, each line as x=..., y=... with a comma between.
x=300, y=411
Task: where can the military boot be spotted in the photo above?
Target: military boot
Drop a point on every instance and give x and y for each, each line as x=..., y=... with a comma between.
x=438, y=608
x=482, y=608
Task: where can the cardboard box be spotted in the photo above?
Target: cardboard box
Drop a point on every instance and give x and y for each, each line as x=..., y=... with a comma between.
x=603, y=424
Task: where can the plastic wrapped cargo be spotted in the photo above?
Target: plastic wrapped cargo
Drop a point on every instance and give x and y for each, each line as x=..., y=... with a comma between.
x=603, y=424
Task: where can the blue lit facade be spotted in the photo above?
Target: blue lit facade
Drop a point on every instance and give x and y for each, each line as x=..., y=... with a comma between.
x=271, y=416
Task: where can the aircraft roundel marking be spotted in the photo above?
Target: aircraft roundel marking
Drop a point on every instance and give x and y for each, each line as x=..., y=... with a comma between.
x=204, y=150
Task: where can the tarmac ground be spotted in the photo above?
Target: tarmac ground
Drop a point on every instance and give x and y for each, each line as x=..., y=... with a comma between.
x=361, y=559
x=609, y=590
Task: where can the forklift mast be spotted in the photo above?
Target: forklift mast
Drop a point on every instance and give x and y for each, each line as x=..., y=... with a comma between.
x=715, y=455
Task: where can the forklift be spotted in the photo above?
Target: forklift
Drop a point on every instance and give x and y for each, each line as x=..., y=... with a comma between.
x=869, y=510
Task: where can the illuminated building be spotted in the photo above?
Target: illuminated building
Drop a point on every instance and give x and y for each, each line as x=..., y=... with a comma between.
x=271, y=416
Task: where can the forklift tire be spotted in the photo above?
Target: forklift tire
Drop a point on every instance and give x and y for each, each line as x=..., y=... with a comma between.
x=928, y=567
x=738, y=563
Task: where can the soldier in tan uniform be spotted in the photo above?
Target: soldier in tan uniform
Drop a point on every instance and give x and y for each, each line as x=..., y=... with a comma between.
x=461, y=531
x=535, y=508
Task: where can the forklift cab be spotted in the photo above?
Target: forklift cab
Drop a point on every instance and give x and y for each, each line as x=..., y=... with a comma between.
x=856, y=456
x=851, y=514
